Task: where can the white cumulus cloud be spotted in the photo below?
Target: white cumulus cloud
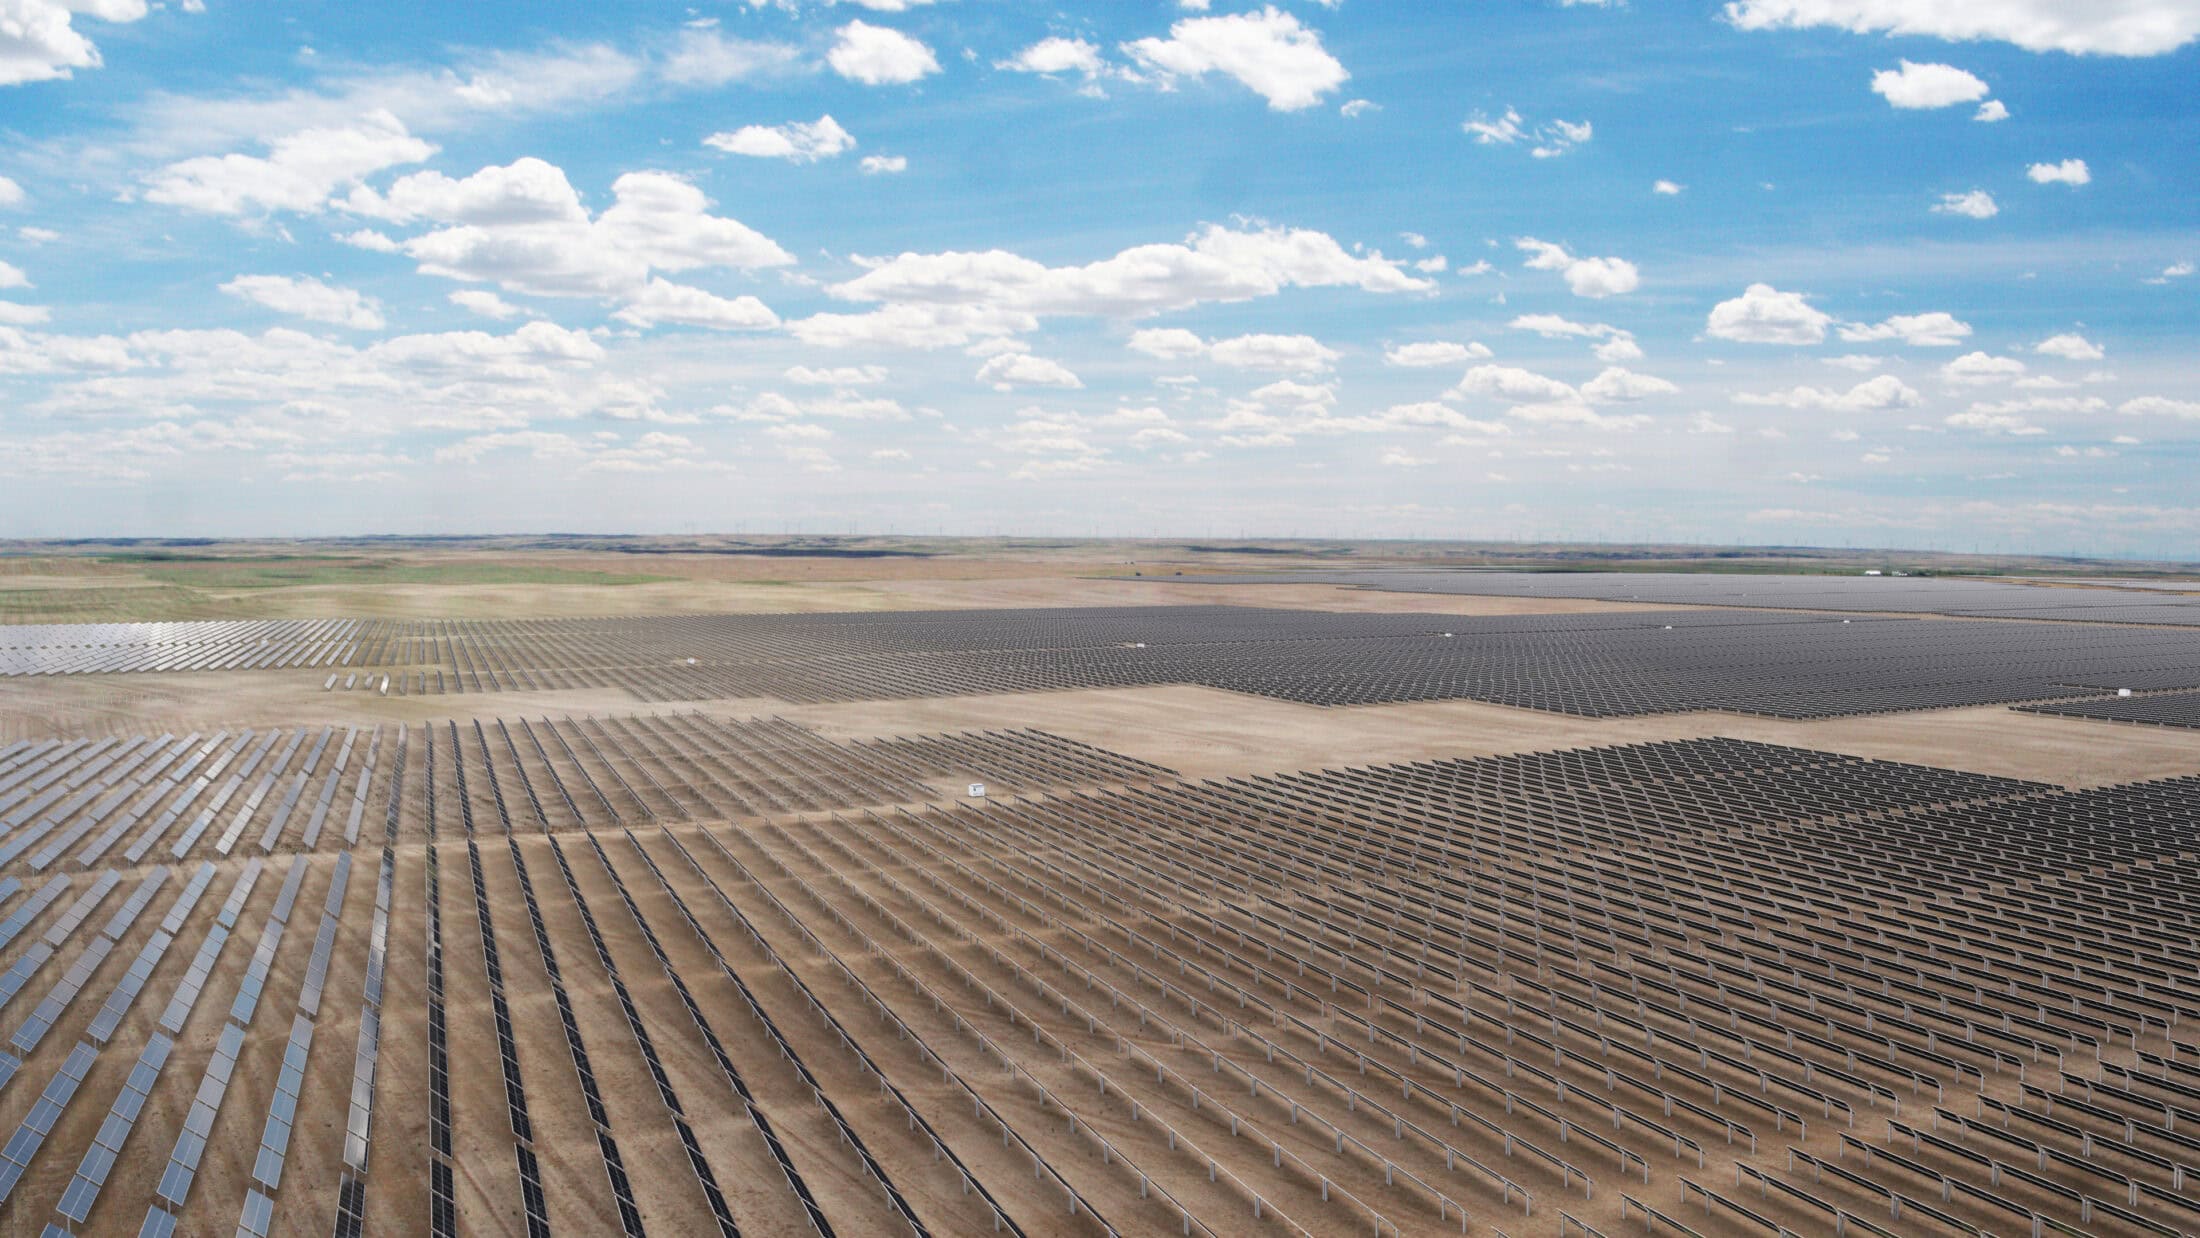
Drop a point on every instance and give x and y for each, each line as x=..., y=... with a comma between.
x=1927, y=86
x=1587, y=277
x=1765, y=315
x=2104, y=27
x=2072, y=172
x=299, y=173
x=1017, y=369
x=39, y=41
x=1875, y=395
x=1935, y=330
x=1168, y=343
x=1974, y=368
x=1617, y=383
x=2161, y=406
x=661, y=301
x=309, y=299
x=947, y=299
x=879, y=56
x=1056, y=55
x=1977, y=204
x=1434, y=352
x=797, y=142
x=1268, y=51
x=485, y=303
x=2070, y=346
x=1285, y=353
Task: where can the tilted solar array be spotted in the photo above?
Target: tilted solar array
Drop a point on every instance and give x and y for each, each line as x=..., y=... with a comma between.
x=202, y=645
x=1503, y=991
x=1735, y=985
x=2179, y=709
x=1782, y=664
x=1776, y=663
x=2086, y=602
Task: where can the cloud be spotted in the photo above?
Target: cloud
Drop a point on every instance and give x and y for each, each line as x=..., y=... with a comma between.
x=1168, y=343
x=912, y=326
x=523, y=228
x=707, y=58
x=1017, y=369
x=1934, y=330
x=2161, y=406
x=485, y=303
x=15, y=314
x=1993, y=423
x=1616, y=383
x=1293, y=353
x=1927, y=86
x=796, y=142
x=299, y=387
x=1854, y=361
x=2072, y=172
x=1056, y=55
x=1974, y=368
x=945, y=299
x=1977, y=204
x=661, y=301
x=2103, y=27
x=1667, y=188
x=2070, y=347
x=39, y=41
x=1505, y=382
x=309, y=299
x=538, y=444
x=837, y=376
x=875, y=165
x=1287, y=353
x=11, y=194
x=1354, y=108
x=1991, y=111
x=299, y=173
x=1617, y=345
x=1765, y=315
x=878, y=56
x=1587, y=277
x=1400, y=458
x=1433, y=352
x=526, y=191
x=1503, y=131
x=1876, y=395
x=1268, y=51
x=1547, y=141
x=13, y=277
x=841, y=404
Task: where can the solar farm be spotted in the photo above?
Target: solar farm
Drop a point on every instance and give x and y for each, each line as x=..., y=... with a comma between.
x=1307, y=903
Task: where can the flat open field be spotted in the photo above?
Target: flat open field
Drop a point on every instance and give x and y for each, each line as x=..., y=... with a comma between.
x=651, y=895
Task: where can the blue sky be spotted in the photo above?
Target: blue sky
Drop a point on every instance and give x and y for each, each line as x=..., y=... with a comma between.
x=1913, y=272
